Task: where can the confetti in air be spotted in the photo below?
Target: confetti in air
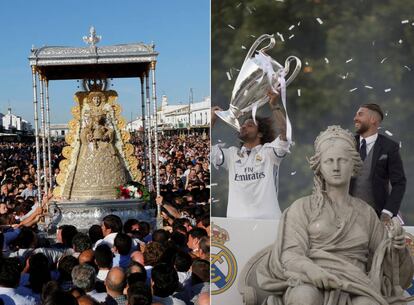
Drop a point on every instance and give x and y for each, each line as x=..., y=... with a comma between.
x=299, y=23
x=349, y=60
x=400, y=41
x=293, y=173
x=386, y=113
x=327, y=60
x=344, y=76
x=298, y=92
x=368, y=87
x=291, y=36
x=400, y=144
x=232, y=27
x=353, y=89
x=213, y=184
x=388, y=133
x=238, y=5
x=291, y=27
x=408, y=68
x=243, y=47
x=384, y=59
x=215, y=200
x=405, y=21
x=228, y=75
x=319, y=20
x=252, y=36
x=387, y=90
x=280, y=36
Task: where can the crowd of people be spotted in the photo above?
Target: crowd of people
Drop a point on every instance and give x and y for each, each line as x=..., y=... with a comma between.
x=114, y=262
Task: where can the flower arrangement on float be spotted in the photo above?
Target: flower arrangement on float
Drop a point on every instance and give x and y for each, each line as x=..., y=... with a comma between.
x=133, y=190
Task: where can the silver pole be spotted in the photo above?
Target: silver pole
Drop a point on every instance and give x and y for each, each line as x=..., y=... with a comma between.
x=149, y=128
x=36, y=128
x=144, y=136
x=42, y=118
x=49, y=154
x=154, y=99
x=157, y=174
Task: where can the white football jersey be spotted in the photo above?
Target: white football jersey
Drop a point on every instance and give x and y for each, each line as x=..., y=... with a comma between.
x=253, y=178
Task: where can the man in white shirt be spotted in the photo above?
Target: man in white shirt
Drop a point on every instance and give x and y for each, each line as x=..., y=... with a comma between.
x=253, y=168
x=382, y=165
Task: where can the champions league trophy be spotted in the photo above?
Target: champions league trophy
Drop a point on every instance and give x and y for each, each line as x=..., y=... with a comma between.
x=258, y=74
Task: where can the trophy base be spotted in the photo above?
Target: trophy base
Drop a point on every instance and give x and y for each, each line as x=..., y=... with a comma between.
x=228, y=117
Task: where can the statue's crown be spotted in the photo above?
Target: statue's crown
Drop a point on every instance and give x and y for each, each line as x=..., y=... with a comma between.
x=334, y=131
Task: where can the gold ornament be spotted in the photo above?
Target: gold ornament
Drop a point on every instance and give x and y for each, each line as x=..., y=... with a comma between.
x=128, y=149
x=121, y=123
x=57, y=192
x=117, y=109
x=60, y=179
x=73, y=124
x=125, y=136
x=76, y=112
x=67, y=152
x=63, y=165
x=69, y=138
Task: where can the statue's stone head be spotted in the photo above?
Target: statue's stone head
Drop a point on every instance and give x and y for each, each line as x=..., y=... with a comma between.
x=335, y=141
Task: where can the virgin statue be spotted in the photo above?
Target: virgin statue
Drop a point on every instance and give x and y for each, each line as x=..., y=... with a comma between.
x=331, y=248
x=99, y=159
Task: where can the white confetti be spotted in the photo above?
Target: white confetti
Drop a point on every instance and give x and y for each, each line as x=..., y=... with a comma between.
x=293, y=173
x=291, y=27
x=327, y=60
x=387, y=90
x=215, y=200
x=344, y=76
x=353, y=89
x=373, y=43
x=400, y=41
x=291, y=36
x=368, y=87
x=280, y=0
x=228, y=75
x=306, y=63
x=386, y=113
x=349, y=60
x=249, y=10
x=238, y=5
x=388, y=133
x=319, y=20
x=243, y=47
x=384, y=59
x=400, y=144
x=298, y=92
x=252, y=36
x=280, y=36
x=405, y=21
x=232, y=27
x=213, y=184
x=299, y=23
x=408, y=68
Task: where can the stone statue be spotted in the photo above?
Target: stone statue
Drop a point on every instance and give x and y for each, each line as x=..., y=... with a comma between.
x=99, y=158
x=331, y=247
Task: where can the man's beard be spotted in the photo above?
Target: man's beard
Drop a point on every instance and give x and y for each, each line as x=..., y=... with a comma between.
x=363, y=127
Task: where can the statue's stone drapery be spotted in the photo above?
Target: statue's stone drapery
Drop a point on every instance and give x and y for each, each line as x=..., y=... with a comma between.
x=99, y=158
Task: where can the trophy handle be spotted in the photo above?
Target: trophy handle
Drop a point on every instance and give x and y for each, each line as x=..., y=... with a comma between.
x=258, y=41
x=295, y=71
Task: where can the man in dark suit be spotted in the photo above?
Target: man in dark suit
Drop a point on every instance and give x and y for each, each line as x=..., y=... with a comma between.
x=382, y=181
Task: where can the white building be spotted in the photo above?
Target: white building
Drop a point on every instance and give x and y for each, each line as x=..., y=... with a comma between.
x=13, y=122
x=178, y=116
x=58, y=131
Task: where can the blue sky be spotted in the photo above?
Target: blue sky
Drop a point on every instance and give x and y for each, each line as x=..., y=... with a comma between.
x=180, y=30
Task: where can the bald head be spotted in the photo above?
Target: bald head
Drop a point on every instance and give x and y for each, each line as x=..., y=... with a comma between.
x=87, y=256
x=138, y=257
x=115, y=281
